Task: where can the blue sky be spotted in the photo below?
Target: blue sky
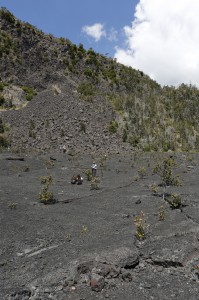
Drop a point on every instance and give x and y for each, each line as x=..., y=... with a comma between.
x=67, y=18
x=158, y=37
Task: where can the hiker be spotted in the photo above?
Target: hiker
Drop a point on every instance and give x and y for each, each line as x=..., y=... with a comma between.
x=94, y=169
x=79, y=179
x=73, y=179
x=76, y=179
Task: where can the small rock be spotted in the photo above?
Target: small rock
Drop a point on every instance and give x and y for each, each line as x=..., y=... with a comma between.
x=159, y=269
x=138, y=201
x=59, y=288
x=147, y=286
x=126, y=276
x=141, y=265
x=84, y=278
x=125, y=216
x=97, y=282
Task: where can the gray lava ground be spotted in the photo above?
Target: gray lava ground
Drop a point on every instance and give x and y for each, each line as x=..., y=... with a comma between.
x=84, y=245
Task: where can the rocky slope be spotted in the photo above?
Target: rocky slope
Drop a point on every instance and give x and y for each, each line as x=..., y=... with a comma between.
x=53, y=92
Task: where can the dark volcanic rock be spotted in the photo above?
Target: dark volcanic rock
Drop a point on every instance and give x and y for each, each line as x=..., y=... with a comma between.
x=82, y=246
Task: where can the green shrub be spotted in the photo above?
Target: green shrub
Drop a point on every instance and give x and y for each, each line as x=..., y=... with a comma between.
x=136, y=178
x=176, y=201
x=49, y=164
x=147, y=148
x=46, y=196
x=88, y=174
x=113, y=126
x=4, y=141
x=6, y=15
x=12, y=205
x=94, y=183
x=154, y=188
x=2, y=85
x=30, y=92
x=46, y=180
x=88, y=72
x=81, y=48
x=164, y=170
x=86, y=89
x=124, y=135
x=161, y=213
x=134, y=140
x=142, y=172
x=141, y=226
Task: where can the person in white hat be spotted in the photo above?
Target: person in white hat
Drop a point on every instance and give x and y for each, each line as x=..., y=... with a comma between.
x=94, y=169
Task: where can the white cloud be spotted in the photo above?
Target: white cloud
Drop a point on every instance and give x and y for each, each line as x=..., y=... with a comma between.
x=96, y=31
x=163, y=41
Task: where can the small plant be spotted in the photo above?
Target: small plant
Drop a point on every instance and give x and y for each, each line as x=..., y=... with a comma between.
x=113, y=126
x=141, y=226
x=136, y=178
x=134, y=140
x=2, y=85
x=124, y=135
x=12, y=205
x=86, y=89
x=46, y=196
x=68, y=237
x=84, y=229
x=88, y=174
x=154, y=188
x=4, y=141
x=46, y=180
x=156, y=168
x=161, y=213
x=177, y=181
x=29, y=92
x=189, y=157
x=142, y=172
x=176, y=201
x=94, y=183
x=164, y=170
x=103, y=161
x=49, y=164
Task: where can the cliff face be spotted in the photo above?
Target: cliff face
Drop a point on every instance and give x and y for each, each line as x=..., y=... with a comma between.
x=53, y=92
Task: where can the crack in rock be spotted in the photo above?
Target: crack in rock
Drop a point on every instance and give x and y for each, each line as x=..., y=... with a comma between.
x=167, y=263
